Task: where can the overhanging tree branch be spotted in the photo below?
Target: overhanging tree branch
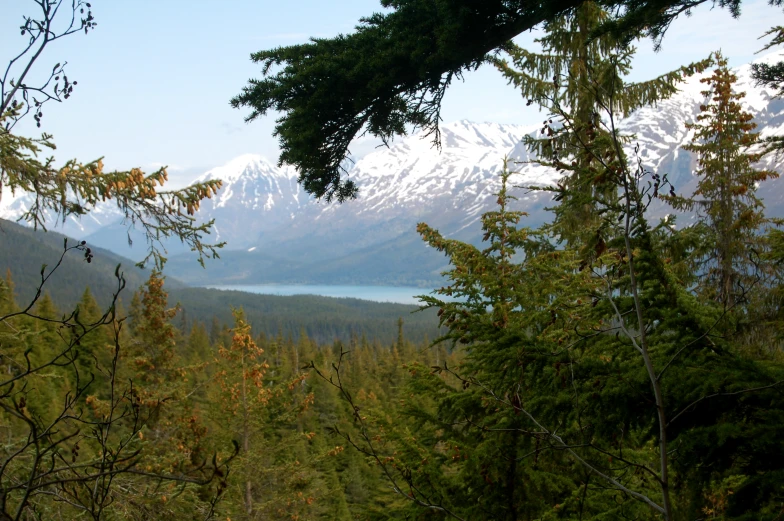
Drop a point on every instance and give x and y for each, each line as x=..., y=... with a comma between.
x=392, y=72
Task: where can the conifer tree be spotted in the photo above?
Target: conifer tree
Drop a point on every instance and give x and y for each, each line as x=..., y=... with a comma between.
x=241, y=378
x=725, y=197
x=47, y=343
x=274, y=473
x=198, y=341
x=153, y=349
x=9, y=340
x=583, y=75
x=7, y=296
x=46, y=308
x=95, y=348
x=173, y=434
x=578, y=382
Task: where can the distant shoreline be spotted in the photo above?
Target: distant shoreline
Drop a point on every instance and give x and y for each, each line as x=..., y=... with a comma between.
x=395, y=294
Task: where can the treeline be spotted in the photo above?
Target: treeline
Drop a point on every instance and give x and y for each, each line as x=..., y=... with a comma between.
x=322, y=319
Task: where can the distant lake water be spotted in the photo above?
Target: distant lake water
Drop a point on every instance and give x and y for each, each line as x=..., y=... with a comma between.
x=397, y=294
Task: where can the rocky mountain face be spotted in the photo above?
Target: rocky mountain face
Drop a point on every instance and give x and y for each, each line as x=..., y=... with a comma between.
x=277, y=233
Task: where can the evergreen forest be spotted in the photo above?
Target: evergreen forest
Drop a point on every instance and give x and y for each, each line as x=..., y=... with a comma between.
x=602, y=366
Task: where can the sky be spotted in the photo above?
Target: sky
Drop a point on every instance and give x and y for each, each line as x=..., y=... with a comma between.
x=155, y=77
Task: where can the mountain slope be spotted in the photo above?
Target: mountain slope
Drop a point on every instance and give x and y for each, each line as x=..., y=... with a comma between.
x=24, y=251
x=323, y=319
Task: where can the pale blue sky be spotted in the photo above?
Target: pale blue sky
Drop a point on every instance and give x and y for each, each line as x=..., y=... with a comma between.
x=155, y=77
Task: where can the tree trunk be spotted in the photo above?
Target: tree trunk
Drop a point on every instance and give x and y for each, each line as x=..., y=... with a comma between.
x=246, y=439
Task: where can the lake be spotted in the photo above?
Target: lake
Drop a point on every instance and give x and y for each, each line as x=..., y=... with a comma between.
x=397, y=294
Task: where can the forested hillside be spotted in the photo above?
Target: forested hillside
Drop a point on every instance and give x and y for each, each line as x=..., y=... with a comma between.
x=323, y=319
x=24, y=252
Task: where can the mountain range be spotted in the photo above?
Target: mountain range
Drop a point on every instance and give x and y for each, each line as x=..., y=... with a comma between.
x=275, y=232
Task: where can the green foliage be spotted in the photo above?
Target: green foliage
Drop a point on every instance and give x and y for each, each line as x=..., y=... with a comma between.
x=76, y=188
x=771, y=75
x=553, y=396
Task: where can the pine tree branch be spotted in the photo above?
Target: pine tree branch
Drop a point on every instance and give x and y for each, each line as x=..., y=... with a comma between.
x=735, y=393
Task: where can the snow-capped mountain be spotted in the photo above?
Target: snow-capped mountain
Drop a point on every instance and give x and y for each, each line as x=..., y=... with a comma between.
x=13, y=206
x=256, y=197
x=661, y=130
x=411, y=181
x=277, y=232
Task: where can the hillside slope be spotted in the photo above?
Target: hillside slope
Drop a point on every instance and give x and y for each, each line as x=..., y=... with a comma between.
x=323, y=319
x=24, y=251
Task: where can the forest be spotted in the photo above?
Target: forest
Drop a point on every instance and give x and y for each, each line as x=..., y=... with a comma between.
x=604, y=365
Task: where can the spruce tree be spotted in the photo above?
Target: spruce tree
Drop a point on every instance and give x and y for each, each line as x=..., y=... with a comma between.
x=577, y=385
x=153, y=349
x=48, y=344
x=7, y=294
x=241, y=371
x=725, y=198
x=9, y=339
x=274, y=475
x=95, y=349
x=579, y=79
x=173, y=433
x=198, y=345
